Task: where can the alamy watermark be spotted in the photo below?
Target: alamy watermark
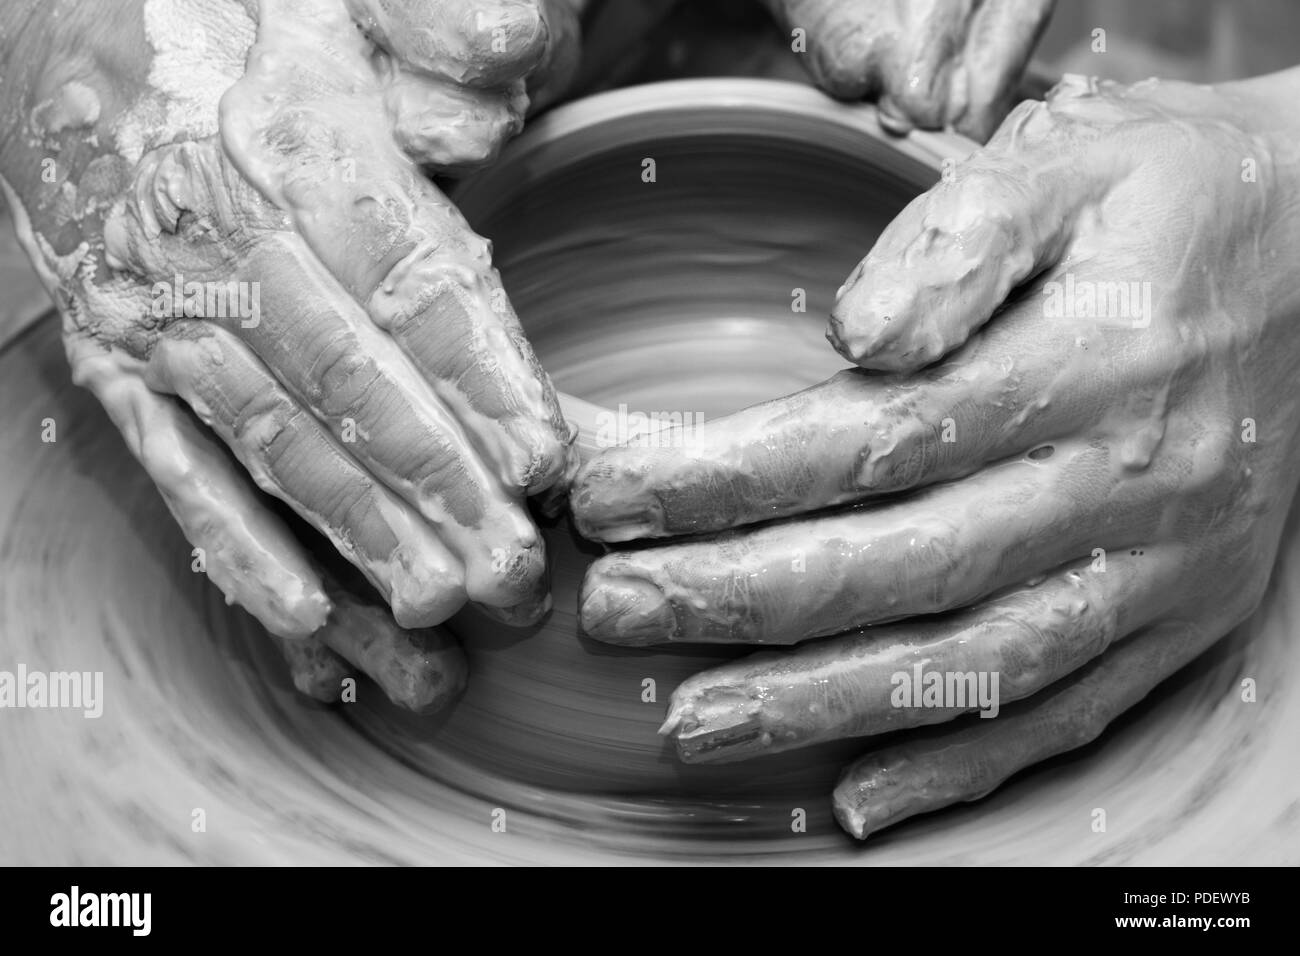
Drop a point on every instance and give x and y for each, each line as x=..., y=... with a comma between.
x=70, y=690
x=647, y=429
x=1123, y=304
x=961, y=690
x=208, y=300
x=75, y=908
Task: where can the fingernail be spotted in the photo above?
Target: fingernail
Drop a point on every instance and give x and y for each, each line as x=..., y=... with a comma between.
x=893, y=119
x=423, y=593
x=431, y=680
x=717, y=724
x=553, y=500
x=602, y=516
x=510, y=574
x=541, y=458
x=520, y=615
x=868, y=318
x=857, y=805
x=852, y=819
x=514, y=33
x=628, y=611
x=852, y=326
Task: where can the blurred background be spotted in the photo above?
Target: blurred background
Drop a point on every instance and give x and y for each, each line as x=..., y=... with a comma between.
x=638, y=41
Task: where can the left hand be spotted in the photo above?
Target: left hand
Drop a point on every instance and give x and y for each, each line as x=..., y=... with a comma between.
x=1095, y=495
x=170, y=165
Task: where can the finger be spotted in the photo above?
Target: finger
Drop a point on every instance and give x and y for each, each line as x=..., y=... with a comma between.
x=942, y=548
x=949, y=259
x=423, y=275
x=848, y=43
x=444, y=304
x=421, y=670
x=1001, y=651
x=291, y=457
x=484, y=43
x=969, y=761
x=450, y=127
x=1001, y=38
x=245, y=550
x=559, y=66
x=523, y=614
x=922, y=62
x=854, y=436
x=335, y=362
x=316, y=670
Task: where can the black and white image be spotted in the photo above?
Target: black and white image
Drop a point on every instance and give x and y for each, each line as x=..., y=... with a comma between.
x=628, y=432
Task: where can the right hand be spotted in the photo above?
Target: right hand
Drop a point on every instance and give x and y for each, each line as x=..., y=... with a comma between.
x=375, y=377
x=951, y=503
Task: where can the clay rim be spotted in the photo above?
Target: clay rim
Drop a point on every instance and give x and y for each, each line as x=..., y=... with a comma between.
x=710, y=107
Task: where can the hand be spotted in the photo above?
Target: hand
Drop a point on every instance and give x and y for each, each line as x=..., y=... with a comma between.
x=1096, y=471
x=932, y=63
x=227, y=201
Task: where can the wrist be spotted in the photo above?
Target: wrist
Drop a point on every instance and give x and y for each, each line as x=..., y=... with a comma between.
x=70, y=73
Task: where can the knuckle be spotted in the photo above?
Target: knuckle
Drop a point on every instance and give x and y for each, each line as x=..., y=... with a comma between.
x=344, y=375
x=350, y=506
x=1027, y=652
x=893, y=462
x=946, y=564
x=1212, y=464
x=1084, y=722
x=900, y=451
x=262, y=419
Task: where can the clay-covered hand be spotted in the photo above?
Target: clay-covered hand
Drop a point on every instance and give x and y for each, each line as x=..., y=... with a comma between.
x=229, y=202
x=1077, y=394
x=928, y=63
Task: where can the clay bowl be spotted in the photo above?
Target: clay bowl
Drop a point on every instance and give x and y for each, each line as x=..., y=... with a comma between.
x=673, y=295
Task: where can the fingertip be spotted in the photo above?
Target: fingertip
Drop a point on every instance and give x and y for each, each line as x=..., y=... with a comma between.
x=916, y=96
x=433, y=677
x=526, y=614
x=316, y=671
x=426, y=588
x=542, y=458
x=610, y=503
x=418, y=669
x=552, y=497
x=845, y=54
x=486, y=43
x=304, y=609
x=509, y=573
x=876, y=324
x=508, y=37
x=893, y=118
x=625, y=610
x=559, y=66
x=450, y=128
x=855, y=801
x=851, y=820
